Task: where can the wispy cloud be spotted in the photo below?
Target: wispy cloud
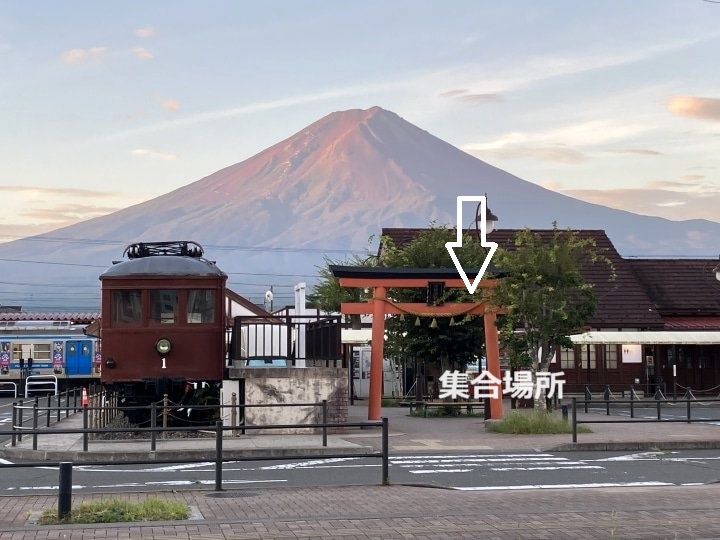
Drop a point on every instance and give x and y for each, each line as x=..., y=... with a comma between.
x=705, y=108
x=638, y=151
x=469, y=97
x=142, y=53
x=555, y=154
x=153, y=154
x=68, y=212
x=170, y=104
x=145, y=32
x=261, y=106
x=582, y=134
x=75, y=56
x=665, y=198
x=53, y=191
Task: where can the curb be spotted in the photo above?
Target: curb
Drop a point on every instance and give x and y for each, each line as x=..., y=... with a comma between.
x=632, y=446
x=180, y=455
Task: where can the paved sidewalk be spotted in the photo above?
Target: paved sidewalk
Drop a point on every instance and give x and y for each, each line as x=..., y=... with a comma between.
x=418, y=434
x=407, y=434
x=402, y=512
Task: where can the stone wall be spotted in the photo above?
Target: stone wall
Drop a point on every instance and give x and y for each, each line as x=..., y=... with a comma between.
x=289, y=385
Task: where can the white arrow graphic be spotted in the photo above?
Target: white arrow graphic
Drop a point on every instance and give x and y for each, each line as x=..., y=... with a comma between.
x=483, y=241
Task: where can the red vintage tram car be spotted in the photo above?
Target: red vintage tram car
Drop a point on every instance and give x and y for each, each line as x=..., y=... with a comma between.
x=163, y=322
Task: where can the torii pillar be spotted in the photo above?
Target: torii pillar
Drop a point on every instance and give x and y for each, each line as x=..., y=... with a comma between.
x=380, y=279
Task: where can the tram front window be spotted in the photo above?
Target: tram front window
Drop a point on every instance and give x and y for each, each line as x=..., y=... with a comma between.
x=201, y=306
x=163, y=306
x=126, y=307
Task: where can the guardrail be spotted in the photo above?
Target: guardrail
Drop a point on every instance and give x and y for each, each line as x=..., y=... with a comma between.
x=154, y=410
x=65, y=468
x=41, y=383
x=654, y=403
x=12, y=385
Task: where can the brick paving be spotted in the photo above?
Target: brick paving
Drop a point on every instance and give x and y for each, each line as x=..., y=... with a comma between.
x=402, y=512
x=418, y=512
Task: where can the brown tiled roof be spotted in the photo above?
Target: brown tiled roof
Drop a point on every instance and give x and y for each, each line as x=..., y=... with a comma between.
x=622, y=303
x=680, y=287
x=76, y=318
x=692, y=323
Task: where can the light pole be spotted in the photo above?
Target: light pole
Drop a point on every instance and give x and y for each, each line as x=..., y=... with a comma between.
x=269, y=299
x=490, y=220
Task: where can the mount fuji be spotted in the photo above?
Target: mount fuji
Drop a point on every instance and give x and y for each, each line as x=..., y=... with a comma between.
x=326, y=189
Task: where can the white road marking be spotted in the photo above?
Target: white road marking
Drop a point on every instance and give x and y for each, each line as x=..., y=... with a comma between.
x=431, y=471
x=304, y=464
x=565, y=486
x=571, y=467
x=143, y=484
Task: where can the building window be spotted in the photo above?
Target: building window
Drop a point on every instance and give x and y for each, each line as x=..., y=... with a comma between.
x=163, y=306
x=567, y=358
x=126, y=307
x=587, y=353
x=201, y=306
x=611, y=357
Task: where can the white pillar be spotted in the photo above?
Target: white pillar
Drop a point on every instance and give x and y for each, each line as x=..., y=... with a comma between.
x=300, y=328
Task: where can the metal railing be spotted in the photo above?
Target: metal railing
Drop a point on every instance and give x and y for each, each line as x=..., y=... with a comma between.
x=654, y=403
x=65, y=468
x=163, y=410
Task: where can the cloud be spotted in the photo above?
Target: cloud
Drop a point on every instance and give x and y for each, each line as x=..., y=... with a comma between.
x=55, y=191
x=262, y=106
x=555, y=154
x=68, y=212
x=675, y=201
x=468, y=97
x=170, y=104
x=638, y=151
x=142, y=53
x=454, y=93
x=153, y=154
x=704, y=108
x=552, y=144
x=145, y=32
x=74, y=56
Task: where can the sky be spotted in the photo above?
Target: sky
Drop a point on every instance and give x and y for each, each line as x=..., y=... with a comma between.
x=107, y=104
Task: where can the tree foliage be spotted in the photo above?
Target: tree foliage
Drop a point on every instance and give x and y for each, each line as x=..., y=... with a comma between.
x=545, y=294
x=448, y=342
x=327, y=294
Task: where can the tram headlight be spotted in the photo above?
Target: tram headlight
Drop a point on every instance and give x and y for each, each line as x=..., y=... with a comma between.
x=163, y=346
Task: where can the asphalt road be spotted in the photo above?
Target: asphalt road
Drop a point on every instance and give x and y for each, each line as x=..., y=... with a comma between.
x=464, y=471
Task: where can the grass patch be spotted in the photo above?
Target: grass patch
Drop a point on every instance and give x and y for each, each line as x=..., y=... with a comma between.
x=445, y=412
x=114, y=510
x=533, y=423
x=390, y=402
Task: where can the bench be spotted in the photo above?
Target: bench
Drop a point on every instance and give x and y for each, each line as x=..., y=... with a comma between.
x=425, y=405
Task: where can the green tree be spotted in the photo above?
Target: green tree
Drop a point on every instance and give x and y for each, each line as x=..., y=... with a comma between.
x=545, y=294
x=327, y=294
x=449, y=343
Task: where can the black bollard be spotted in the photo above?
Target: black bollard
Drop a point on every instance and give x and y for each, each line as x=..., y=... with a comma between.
x=218, y=455
x=65, y=492
x=564, y=409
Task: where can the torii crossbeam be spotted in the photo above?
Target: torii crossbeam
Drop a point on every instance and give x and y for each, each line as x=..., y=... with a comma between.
x=379, y=280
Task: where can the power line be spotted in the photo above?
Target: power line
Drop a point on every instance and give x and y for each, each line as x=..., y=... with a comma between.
x=218, y=247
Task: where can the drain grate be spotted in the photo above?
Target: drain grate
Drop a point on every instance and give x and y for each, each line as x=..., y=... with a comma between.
x=231, y=494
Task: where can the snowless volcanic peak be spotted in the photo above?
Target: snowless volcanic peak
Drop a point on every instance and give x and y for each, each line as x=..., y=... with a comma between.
x=338, y=179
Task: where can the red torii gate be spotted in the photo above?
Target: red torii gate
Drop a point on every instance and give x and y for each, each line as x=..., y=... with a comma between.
x=380, y=279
